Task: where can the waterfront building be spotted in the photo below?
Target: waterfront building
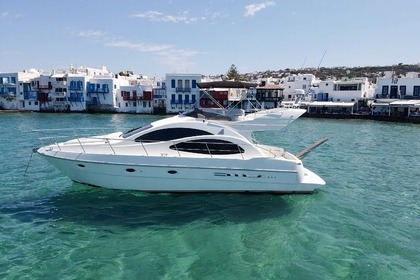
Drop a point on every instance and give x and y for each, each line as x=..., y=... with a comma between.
x=397, y=95
x=77, y=83
x=182, y=91
x=76, y=98
x=16, y=91
x=135, y=99
x=214, y=98
x=269, y=95
x=351, y=90
x=294, y=84
x=159, y=98
x=43, y=86
x=398, y=87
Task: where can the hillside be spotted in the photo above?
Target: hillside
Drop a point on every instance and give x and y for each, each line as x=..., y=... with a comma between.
x=371, y=72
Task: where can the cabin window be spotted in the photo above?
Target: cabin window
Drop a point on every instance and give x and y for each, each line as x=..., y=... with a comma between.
x=135, y=131
x=168, y=134
x=208, y=147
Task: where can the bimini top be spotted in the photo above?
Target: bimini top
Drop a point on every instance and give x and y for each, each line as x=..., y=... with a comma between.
x=226, y=84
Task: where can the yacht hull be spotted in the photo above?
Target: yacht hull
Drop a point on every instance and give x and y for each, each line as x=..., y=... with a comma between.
x=200, y=175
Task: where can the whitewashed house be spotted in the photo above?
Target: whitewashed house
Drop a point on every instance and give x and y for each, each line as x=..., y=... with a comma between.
x=77, y=80
x=76, y=90
x=397, y=95
x=16, y=91
x=294, y=85
x=102, y=93
x=182, y=91
x=351, y=90
x=135, y=99
x=398, y=87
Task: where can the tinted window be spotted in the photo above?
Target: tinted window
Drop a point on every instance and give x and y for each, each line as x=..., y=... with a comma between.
x=208, y=146
x=171, y=134
x=135, y=130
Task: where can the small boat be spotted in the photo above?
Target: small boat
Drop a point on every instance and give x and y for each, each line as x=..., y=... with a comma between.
x=182, y=154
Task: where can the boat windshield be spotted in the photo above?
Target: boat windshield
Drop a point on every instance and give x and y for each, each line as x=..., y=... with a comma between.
x=135, y=131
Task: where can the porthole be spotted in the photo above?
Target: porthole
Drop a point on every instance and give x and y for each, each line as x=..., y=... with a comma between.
x=81, y=165
x=172, y=171
x=130, y=170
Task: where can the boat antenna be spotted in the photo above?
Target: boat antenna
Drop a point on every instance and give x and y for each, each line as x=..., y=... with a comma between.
x=303, y=65
x=319, y=64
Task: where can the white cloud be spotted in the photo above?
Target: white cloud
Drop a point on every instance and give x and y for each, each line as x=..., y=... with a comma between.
x=158, y=16
x=176, y=58
x=91, y=34
x=251, y=9
x=163, y=53
x=141, y=47
x=8, y=15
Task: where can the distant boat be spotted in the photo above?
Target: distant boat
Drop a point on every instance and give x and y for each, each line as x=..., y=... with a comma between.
x=260, y=119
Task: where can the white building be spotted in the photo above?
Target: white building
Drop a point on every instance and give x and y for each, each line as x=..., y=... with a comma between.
x=16, y=91
x=293, y=84
x=135, y=99
x=406, y=87
x=76, y=97
x=102, y=93
x=182, y=91
x=351, y=90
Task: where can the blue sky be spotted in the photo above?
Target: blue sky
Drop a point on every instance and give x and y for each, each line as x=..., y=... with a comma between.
x=158, y=37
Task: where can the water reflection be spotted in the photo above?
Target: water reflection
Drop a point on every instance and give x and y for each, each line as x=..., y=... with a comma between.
x=102, y=207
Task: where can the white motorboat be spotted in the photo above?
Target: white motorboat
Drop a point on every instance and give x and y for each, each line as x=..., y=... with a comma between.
x=181, y=154
x=262, y=120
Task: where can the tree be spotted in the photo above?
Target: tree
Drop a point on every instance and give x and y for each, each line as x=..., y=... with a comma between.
x=233, y=73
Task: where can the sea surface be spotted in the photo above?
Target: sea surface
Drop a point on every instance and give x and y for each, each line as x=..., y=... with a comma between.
x=364, y=224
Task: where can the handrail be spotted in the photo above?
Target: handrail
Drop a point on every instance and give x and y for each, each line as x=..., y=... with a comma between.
x=87, y=144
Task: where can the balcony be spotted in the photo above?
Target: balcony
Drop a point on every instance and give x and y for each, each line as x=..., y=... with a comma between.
x=183, y=89
x=8, y=81
x=269, y=98
x=179, y=101
x=97, y=88
x=43, y=97
x=129, y=98
x=193, y=101
x=30, y=95
x=75, y=88
x=75, y=99
x=159, y=93
x=42, y=86
x=5, y=91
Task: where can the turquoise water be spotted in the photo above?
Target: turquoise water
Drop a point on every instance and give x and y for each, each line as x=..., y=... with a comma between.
x=364, y=224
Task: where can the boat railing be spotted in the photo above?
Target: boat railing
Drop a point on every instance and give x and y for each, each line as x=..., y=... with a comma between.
x=79, y=141
x=52, y=136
